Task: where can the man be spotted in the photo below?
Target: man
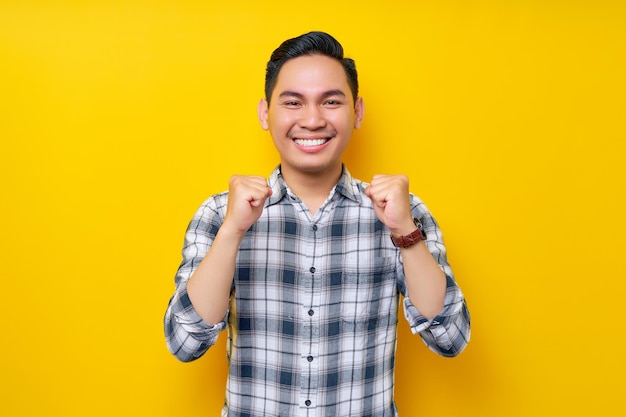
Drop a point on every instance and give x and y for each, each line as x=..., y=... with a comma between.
x=306, y=268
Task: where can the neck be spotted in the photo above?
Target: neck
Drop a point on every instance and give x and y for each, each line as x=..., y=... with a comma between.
x=312, y=187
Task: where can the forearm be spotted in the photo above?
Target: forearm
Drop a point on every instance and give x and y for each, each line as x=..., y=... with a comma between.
x=435, y=307
x=426, y=282
x=443, y=323
x=209, y=286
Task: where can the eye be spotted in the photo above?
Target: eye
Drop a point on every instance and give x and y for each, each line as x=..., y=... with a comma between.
x=332, y=103
x=291, y=103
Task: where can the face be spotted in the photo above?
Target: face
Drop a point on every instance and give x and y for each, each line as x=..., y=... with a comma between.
x=311, y=115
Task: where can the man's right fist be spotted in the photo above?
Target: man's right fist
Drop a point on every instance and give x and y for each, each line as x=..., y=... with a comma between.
x=246, y=198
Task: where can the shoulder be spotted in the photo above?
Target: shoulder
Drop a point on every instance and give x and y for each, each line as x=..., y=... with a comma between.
x=213, y=206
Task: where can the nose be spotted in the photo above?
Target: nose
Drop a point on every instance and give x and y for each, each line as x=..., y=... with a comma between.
x=312, y=118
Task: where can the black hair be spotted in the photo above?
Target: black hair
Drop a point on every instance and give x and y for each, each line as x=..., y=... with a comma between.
x=312, y=43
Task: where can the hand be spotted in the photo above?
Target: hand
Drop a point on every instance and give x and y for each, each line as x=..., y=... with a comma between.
x=390, y=196
x=246, y=197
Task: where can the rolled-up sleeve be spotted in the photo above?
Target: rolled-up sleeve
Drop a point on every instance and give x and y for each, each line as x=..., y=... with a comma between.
x=449, y=332
x=188, y=336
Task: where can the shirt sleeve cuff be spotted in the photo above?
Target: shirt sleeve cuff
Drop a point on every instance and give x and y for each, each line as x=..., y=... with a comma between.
x=188, y=318
x=417, y=322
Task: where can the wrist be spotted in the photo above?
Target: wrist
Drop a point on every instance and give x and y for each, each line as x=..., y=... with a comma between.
x=405, y=228
x=231, y=231
x=415, y=235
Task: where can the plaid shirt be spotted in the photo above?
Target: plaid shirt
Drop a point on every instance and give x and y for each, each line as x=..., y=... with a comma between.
x=314, y=306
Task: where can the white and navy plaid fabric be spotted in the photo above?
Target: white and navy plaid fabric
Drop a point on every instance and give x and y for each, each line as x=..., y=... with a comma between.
x=314, y=306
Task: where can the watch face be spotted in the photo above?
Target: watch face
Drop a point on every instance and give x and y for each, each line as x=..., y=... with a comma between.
x=420, y=226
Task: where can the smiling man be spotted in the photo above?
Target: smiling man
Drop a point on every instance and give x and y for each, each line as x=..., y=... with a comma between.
x=306, y=268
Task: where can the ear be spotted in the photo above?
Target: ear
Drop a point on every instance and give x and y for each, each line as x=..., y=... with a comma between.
x=262, y=111
x=359, y=112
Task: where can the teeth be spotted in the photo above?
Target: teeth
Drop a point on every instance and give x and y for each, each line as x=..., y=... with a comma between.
x=310, y=142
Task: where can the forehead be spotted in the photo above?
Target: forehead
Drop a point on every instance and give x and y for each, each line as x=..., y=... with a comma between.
x=312, y=74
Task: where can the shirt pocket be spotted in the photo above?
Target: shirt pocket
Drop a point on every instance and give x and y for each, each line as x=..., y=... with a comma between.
x=369, y=293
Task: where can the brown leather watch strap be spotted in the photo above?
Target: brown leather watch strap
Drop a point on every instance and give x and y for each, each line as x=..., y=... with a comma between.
x=407, y=240
x=411, y=239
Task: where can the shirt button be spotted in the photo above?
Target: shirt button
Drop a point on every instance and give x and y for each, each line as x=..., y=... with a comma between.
x=307, y=403
x=309, y=358
x=312, y=269
x=311, y=312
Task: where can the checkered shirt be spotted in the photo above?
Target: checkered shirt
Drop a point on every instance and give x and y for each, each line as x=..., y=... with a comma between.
x=314, y=306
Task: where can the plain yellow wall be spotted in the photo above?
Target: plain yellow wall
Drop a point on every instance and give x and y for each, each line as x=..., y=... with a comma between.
x=118, y=118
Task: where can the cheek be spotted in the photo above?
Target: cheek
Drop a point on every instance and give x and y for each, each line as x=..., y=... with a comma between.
x=279, y=128
x=279, y=121
x=343, y=122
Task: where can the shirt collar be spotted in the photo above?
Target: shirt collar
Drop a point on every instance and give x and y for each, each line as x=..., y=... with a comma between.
x=346, y=186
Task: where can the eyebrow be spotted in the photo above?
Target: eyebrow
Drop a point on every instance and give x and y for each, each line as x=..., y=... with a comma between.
x=325, y=94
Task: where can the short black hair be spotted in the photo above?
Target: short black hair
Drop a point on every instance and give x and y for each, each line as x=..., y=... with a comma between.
x=312, y=43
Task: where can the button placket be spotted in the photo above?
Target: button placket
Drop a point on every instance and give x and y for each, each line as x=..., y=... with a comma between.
x=309, y=342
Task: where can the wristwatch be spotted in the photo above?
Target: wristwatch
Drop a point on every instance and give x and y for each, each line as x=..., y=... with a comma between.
x=412, y=238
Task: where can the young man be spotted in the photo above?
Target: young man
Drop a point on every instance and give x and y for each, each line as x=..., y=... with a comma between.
x=306, y=268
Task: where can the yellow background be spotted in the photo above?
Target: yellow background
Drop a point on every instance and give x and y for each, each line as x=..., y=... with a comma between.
x=118, y=118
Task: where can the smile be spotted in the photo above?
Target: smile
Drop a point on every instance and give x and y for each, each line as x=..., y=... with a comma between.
x=311, y=142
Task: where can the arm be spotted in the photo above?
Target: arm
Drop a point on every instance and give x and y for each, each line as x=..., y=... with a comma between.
x=426, y=282
x=198, y=309
x=187, y=335
x=434, y=305
x=448, y=333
